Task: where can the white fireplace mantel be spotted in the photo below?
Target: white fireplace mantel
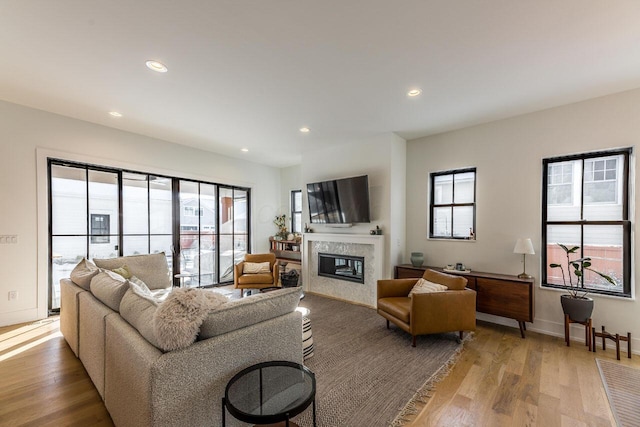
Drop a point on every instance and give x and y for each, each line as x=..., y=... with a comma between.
x=369, y=246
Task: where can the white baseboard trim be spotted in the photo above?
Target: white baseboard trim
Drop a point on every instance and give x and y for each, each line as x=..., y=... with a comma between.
x=556, y=329
x=21, y=316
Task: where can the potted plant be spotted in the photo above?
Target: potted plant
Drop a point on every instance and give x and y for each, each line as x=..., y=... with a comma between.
x=576, y=304
x=281, y=222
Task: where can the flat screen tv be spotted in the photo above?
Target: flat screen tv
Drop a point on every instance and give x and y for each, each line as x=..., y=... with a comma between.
x=339, y=201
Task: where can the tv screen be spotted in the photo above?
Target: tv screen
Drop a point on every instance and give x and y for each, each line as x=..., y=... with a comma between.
x=339, y=201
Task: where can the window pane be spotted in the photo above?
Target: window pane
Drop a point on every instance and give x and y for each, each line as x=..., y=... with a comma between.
x=443, y=189
x=226, y=256
x=297, y=201
x=226, y=210
x=240, y=211
x=602, y=188
x=160, y=205
x=564, y=187
x=100, y=250
x=103, y=198
x=297, y=221
x=163, y=244
x=462, y=221
x=568, y=235
x=69, y=200
x=135, y=207
x=189, y=208
x=208, y=208
x=135, y=245
x=464, y=187
x=207, y=260
x=66, y=252
x=560, y=182
x=442, y=222
x=603, y=244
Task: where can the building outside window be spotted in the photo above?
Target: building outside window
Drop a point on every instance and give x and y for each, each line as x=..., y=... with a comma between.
x=453, y=204
x=99, y=228
x=586, y=204
x=296, y=211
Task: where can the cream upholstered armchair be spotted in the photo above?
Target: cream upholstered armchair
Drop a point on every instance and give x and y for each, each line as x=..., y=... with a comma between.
x=247, y=277
x=428, y=313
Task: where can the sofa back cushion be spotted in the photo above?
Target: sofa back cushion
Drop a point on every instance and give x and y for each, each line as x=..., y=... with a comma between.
x=454, y=283
x=152, y=269
x=82, y=273
x=138, y=312
x=248, y=311
x=109, y=288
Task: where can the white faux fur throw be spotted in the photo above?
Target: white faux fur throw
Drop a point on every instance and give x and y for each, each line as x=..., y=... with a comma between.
x=177, y=320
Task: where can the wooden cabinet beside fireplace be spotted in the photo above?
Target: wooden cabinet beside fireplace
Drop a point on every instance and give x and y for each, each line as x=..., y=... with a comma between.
x=498, y=294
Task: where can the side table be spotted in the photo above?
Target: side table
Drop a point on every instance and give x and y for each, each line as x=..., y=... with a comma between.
x=270, y=392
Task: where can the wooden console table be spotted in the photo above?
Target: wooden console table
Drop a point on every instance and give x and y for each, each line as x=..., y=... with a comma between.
x=497, y=294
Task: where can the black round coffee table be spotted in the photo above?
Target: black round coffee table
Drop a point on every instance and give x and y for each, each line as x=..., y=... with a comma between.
x=270, y=392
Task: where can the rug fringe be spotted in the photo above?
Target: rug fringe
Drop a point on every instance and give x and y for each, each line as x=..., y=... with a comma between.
x=424, y=393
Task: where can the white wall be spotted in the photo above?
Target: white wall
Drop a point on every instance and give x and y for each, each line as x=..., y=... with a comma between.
x=28, y=136
x=508, y=155
x=382, y=158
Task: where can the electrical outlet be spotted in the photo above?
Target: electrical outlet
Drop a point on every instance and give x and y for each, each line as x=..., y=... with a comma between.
x=13, y=295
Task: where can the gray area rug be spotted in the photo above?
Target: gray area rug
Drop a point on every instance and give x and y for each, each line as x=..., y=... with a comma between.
x=367, y=374
x=622, y=386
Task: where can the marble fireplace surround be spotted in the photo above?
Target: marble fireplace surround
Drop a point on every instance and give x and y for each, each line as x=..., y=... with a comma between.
x=371, y=247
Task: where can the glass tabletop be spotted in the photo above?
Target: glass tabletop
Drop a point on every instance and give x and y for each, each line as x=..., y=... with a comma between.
x=270, y=391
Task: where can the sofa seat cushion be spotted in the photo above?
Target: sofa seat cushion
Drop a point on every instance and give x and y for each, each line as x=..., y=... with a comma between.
x=248, y=311
x=82, y=273
x=251, y=279
x=152, y=269
x=109, y=288
x=398, y=307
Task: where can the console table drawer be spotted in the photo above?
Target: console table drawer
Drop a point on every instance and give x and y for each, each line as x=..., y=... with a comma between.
x=504, y=298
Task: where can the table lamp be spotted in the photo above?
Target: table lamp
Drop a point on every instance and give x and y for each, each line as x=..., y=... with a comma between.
x=524, y=247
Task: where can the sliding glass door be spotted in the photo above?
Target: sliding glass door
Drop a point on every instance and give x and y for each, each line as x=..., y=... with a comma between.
x=99, y=212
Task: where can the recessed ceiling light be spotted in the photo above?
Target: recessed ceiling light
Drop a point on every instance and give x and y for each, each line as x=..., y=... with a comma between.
x=244, y=150
x=305, y=130
x=414, y=92
x=157, y=66
x=115, y=114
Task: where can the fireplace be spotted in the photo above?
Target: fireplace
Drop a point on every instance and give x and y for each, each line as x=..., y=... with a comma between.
x=342, y=267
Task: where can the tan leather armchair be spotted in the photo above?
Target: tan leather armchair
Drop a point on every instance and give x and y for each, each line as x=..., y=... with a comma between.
x=256, y=281
x=428, y=313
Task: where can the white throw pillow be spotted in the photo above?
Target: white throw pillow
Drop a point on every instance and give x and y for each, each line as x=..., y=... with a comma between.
x=255, y=267
x=424, y=286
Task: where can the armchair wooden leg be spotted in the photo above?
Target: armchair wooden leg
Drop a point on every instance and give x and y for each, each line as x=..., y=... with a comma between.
x=241, y=293
x=461, y=335
x=413, y=341
x=387, y=323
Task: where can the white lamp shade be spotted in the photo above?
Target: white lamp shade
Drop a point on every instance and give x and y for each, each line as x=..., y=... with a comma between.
x=524, y=246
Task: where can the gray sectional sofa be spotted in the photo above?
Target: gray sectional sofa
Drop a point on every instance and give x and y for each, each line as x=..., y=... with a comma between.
x=108, y=328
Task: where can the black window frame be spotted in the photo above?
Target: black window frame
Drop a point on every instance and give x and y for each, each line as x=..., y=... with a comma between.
x=295, y=227
x=625, y=222
x=119, y=235
x=433, y=205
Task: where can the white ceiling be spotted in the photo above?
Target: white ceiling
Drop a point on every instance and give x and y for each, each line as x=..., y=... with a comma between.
x=251, y=73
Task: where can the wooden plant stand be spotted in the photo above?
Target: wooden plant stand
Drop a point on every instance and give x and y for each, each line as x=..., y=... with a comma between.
x=616, y=338
x=587, y=328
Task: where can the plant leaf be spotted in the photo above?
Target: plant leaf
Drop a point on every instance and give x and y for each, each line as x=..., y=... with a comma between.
x=555, y=265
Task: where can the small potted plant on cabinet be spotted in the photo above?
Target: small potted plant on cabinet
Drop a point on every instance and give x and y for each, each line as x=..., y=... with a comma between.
x=576, y=304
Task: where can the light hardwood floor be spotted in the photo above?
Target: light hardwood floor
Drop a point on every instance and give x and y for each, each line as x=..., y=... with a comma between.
x=499, y=380
x=503, y=380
